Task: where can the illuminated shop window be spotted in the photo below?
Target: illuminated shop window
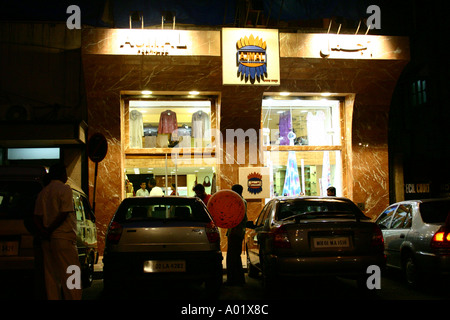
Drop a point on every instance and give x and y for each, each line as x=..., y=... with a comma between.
x=301, y=122
x=169, y=124
x=172, y=180
x=308, y=173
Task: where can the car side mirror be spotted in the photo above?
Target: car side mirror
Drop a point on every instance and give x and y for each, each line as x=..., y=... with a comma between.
x=250, y=225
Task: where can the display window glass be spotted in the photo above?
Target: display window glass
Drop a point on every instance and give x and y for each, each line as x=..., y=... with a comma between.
x=308, y=173
x=169, y=124
x=301, y=122
x=171, y=180
x=154, y=126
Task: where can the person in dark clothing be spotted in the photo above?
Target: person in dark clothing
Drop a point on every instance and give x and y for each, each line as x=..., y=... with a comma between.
x=235, y=272
x=199, y=190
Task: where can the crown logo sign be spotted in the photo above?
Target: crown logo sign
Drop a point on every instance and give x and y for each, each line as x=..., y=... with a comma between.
x=254, y=175
x=251, y=41
x=251, y=57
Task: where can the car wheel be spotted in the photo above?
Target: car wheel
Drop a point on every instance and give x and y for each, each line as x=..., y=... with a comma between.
x=88, y=272
x=412, y=274
x=268, y=280
x=213, y=285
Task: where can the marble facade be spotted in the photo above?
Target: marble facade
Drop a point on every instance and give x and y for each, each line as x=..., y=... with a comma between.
x=366, y=83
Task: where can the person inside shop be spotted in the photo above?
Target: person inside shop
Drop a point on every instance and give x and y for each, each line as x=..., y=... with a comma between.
x=56, y=221
x=155, y=190
x=174, y=190
x=142, y=192
x=331, y=192
x=235, y=272
x=199, y=190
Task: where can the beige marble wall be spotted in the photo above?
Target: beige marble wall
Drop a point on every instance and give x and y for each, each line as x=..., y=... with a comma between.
x=367, y=85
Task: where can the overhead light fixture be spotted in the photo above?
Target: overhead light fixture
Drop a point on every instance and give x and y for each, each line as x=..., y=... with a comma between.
x=325, y=94
x=146, y=92
x=285, y=94
x=194, y=93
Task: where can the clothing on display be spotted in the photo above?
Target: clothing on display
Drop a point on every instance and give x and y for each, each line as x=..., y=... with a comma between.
x=315, y=123
x=201, y=126
x=168, y=122
x=285, y=126
x=136, y=129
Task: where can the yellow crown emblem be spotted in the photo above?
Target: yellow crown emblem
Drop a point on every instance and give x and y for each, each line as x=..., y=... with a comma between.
x=251, y=41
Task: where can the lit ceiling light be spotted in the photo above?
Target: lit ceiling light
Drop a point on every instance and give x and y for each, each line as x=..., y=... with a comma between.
x=285, y=94
x=194, y=93
x=146, y=92
x=325, y=94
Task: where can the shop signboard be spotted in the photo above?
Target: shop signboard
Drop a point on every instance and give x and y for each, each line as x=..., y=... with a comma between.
x=256, y=182
x=250, y=57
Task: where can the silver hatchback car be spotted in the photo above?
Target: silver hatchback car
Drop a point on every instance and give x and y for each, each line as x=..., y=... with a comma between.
x=313, y=236
x=159, y=239
x=417, y=237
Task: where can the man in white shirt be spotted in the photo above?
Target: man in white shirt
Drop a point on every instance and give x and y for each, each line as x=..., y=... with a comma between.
x=142, y=192
x=156, y=191
x=56, y=220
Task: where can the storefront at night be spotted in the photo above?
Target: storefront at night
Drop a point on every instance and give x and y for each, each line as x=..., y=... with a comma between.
x=280, y=113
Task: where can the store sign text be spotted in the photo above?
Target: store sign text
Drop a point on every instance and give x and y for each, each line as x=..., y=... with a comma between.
x=417, y=188
x=164, y=43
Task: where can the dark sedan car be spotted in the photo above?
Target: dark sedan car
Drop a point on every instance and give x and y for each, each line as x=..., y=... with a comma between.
x=162, y=239
x=313, y=236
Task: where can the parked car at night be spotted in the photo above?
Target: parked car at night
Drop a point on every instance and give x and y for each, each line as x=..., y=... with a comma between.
x=417, y=237
x=162, y=239
x=19, y=247
x=313, y=236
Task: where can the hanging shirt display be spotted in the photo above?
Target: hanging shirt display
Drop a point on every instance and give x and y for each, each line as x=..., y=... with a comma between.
x=315, y=123
x=201, y=127
x=285, y=126
x=168, y=122
x=136, y=129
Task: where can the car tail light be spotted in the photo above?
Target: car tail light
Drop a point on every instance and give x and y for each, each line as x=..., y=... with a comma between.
x=212, y=232
x=114, y=233
x=441, y=239
x=377, y=241
x=280, y=237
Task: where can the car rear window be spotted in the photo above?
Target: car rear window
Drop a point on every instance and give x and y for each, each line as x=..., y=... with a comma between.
x=435, y=211
x=170, y=208
x=17, y=198
x=314, y=208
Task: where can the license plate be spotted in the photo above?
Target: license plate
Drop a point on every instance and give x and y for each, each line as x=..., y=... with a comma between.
x=152, y=266
x=9, y=248
x=331, y=242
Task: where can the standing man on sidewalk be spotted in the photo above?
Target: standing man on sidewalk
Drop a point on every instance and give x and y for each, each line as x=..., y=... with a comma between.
x=56, y=220
x=235, y=272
